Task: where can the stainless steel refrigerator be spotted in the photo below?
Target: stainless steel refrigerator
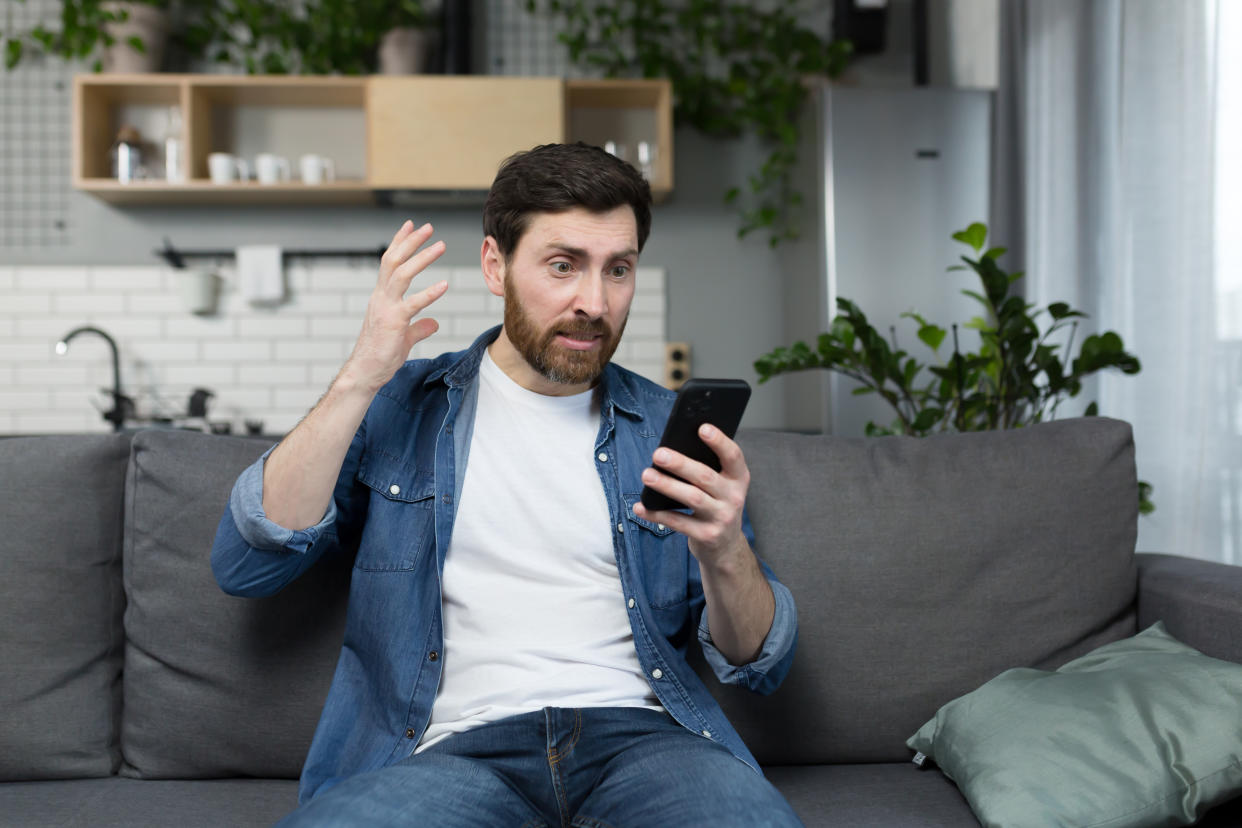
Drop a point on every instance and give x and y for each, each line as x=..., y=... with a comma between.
x=889, y=174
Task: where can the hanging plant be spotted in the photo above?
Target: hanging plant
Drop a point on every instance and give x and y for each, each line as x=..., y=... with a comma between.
x=734, y=69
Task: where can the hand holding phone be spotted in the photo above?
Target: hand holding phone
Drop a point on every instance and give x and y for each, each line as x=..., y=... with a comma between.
x=720, y=402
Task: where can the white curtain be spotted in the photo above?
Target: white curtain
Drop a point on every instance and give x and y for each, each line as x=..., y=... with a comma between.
x=1116, y=113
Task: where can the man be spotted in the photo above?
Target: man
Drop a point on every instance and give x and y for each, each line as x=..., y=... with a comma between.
x=515, y=642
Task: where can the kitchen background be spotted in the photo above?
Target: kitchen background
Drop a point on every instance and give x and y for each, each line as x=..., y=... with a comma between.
x=68, y=259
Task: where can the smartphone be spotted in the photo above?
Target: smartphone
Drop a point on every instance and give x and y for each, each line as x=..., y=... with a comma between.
x=720, y=402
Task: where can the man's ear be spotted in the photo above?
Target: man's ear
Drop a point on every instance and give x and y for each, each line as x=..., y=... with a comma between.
x=493, y=262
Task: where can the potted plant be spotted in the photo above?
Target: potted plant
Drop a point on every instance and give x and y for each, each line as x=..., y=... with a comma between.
x=403, y=44
x=1020, y=375
x=318, y=37
x=120, y=35
x=734, y=68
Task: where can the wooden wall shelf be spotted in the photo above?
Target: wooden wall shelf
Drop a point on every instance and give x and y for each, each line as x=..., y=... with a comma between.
x=418, y=133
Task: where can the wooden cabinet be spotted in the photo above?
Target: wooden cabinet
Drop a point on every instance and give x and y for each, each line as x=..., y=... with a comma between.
x=383, y=133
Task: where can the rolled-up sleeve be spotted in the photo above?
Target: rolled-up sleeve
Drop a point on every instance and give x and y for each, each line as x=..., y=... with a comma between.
x=768, y=670
x=252, y=556
x=246, y=507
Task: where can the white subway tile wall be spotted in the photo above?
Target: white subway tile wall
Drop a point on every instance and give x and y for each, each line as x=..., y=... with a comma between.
x=265, y=364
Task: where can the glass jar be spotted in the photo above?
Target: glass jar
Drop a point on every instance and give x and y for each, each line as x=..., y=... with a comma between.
x=126, y=155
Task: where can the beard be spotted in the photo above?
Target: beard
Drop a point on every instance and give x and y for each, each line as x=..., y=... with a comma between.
x=550, y=359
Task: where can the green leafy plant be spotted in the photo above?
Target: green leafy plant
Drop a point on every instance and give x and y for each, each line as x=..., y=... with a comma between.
x=1020, y=374
x=83, y=32
x=317, y=37
x=735, y=68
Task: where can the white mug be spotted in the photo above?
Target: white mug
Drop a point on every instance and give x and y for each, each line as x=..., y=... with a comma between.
x=316, y=169
x=225, y=168
x=271, y=169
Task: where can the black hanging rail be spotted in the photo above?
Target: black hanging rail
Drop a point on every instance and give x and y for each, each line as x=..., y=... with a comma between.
x=176, y=257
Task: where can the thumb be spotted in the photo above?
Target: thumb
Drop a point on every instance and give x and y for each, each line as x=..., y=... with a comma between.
x=420, y=330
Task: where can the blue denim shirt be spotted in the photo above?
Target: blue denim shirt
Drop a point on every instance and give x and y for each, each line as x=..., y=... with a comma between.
x=393, y=508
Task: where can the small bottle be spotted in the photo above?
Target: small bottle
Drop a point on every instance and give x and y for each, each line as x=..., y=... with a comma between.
x=646, y=159
x=173, y=147
x=127, y=155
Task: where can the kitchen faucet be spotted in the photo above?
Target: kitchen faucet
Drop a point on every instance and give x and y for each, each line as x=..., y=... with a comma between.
x=122, y=405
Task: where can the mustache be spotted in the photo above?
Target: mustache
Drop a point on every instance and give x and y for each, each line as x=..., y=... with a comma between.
x=582, y=326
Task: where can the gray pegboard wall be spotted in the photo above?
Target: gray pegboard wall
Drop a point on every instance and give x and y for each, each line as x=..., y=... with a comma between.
x=519, y=42
x=34, y=139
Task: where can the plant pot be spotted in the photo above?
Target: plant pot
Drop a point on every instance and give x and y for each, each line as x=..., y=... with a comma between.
x=147, y=23
x=403, y=51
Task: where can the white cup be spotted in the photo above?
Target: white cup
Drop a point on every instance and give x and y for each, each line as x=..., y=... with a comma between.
x=271, y=169
x=200, y=290
x=316, y=169
x=224, y=168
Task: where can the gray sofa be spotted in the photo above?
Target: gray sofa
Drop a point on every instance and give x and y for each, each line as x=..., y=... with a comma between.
x=133, y=692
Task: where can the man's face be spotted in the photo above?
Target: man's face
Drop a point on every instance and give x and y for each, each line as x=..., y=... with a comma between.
x=567, y=288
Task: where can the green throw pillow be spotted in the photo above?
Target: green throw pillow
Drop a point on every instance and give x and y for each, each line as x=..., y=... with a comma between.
x=1144, y=731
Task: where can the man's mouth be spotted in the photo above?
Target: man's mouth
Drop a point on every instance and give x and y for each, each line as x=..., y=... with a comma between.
x=579, y=340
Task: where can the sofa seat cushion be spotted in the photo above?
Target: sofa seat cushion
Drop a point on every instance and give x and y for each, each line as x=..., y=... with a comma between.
x=215, y=686
x=118, y=802
x=882, y=795
x=60, y=605
x=922, y=567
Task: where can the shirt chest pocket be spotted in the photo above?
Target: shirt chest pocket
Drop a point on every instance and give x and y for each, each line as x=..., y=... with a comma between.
x=400, y=525
x=662, y=555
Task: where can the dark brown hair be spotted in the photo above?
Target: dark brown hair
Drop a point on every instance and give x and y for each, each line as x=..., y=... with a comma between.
x=552, y=178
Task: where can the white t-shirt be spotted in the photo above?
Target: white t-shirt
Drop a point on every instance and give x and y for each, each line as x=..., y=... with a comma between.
x=534, y=612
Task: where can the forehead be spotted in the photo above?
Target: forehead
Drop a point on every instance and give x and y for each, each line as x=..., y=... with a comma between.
x=612, y=231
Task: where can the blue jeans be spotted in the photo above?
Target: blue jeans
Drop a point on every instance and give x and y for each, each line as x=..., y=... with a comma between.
x=591, y=767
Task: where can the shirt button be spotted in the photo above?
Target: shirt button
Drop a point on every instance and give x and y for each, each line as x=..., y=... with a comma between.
x=394, y=489
x=657, y=673
x=447, y=498
x=661, y=526
x=603, y=457
x=433, y=655
x=707, y=734
x=621, y=528
x=630, y=603
x=409, y=733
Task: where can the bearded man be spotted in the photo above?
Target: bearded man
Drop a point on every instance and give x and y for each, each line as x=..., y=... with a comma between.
x=518, y=623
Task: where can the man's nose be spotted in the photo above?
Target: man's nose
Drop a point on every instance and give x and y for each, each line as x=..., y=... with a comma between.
x=590, y=299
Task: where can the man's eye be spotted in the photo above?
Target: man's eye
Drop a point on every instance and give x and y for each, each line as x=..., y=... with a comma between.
x=620, y=271
x=562, y=267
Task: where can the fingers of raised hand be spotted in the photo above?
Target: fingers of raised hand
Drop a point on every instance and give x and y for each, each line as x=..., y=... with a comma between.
x=392, y=255
x=416, y=303
x=404, y=246
x=405, y=273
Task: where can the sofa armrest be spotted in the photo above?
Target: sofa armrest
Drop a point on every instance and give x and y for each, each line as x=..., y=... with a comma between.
x=1200, y=602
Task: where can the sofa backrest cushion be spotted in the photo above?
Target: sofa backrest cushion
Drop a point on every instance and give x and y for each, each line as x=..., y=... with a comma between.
x=923, y=567
x=60, y=605
x=215, y=686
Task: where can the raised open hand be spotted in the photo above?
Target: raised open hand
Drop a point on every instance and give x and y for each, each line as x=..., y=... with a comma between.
x=390, y=328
